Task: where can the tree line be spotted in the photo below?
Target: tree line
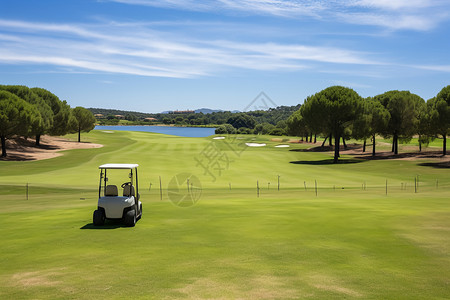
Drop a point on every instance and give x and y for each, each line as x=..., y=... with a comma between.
x=341, y=113
x=242, y=122
x=271, y=121
x=33, y=112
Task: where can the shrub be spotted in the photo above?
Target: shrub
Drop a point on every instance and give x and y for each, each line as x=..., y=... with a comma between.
x=244, y=130
x=225, y=129
x=277, y=131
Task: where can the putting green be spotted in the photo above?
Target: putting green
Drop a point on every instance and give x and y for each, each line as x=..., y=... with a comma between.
x=350, y=240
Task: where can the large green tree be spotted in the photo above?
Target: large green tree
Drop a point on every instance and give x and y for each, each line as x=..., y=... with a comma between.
x=85, y=120
x=424, y=128
x=16, y=117
x=63, y=121
x=313, y=115
x=335, y=108
x=296, y=125
x=45, y=123
x=439, y=108
x=404, y=108
x=371, y=121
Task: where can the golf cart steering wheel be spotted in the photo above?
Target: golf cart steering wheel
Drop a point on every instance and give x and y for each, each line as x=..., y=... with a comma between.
x=125, y=184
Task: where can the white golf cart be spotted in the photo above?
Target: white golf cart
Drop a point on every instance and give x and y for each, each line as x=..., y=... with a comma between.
x=127, y=207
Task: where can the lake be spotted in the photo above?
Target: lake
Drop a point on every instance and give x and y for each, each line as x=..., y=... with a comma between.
x=172, y=130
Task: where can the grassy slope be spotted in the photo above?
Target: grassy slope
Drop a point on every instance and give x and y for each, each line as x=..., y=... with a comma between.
x=231, y=244
x=165, y=156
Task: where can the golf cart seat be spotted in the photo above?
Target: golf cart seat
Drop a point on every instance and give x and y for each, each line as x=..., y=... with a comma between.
x=128, y=191
x=111, y=190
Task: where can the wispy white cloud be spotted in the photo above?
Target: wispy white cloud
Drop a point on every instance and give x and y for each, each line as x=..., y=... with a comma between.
x=396, y=4
x=268, y=7
x=418, y=15
x=275, y=7
x=410, y=22
x=133, y=48
x=439, y=68
x=302, y=53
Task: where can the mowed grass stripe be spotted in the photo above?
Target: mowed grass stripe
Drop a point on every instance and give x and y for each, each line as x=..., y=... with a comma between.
x=293, y=245
x=168, y=156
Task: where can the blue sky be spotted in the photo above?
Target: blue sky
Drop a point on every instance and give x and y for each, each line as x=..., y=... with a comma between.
x=151, y=56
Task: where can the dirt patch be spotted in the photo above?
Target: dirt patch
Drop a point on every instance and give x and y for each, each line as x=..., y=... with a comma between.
x=21, y=149
x=37, y=278
x=330, y=284
x=258, y=287
x=271, y=287
x=430, y=232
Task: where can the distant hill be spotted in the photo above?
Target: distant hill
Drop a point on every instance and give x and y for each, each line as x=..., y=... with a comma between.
x=107, y=112
x=201, y=110
x=207, y=110
x=141, y=115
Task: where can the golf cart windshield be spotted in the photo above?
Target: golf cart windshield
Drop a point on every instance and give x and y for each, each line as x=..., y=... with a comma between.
x=129, y=186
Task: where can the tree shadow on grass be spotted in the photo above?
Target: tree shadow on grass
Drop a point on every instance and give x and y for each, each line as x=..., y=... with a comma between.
x=353, y=150
x=16, y=157
x=327, y=162
x=437, y=165
x=406, y=155
x=327, y=148
x=109, y=224
x=314, y=149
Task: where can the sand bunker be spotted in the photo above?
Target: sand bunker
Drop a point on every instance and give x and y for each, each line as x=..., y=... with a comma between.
x=24, y=149
x=282, y=146
x=219, y=138
x=255, y=145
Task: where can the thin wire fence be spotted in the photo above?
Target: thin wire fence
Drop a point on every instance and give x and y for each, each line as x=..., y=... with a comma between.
x=157, y=190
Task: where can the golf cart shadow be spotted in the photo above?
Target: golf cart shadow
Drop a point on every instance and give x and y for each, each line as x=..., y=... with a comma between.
x=109, y=224
x=327, y=162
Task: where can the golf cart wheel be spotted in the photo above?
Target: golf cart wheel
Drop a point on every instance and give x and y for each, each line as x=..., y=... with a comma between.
x=99, y=218
x=130, y=218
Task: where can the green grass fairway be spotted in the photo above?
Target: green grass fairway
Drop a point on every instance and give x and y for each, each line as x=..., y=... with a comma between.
x=350, y=240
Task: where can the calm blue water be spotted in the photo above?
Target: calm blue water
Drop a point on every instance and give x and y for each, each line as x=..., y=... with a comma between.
x=178, y=131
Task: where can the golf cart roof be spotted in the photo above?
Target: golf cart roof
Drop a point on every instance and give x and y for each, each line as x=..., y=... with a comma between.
x=118, y=166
